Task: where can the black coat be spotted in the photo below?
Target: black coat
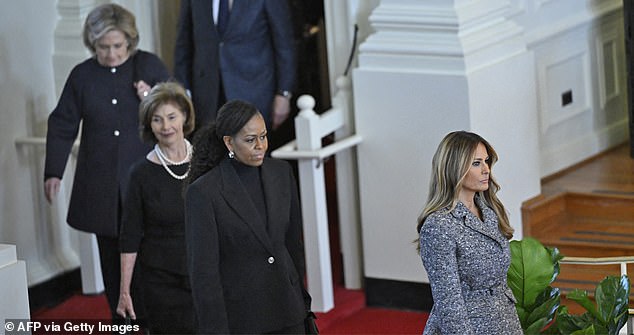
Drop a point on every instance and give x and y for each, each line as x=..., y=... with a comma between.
x=104, y=101
x=245, y=279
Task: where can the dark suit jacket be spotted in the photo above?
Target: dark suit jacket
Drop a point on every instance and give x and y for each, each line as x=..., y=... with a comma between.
x=104, y=102
x=256, y=55
x=245, y=279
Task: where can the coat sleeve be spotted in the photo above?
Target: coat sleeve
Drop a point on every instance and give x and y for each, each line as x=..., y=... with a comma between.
x=203, y=258
x=294, y=237
x=63, y=127
x=183, y=50
x=281, y=25
x=439, y=245
x=153, y=70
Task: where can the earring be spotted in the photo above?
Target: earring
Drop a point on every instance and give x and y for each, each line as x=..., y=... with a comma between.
x=231, y=154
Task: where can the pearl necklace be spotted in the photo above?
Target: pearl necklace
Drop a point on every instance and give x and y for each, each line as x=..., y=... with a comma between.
x=164, y=160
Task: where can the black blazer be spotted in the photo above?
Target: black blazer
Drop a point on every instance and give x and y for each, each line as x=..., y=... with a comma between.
x=245, y=279
x=256, y=56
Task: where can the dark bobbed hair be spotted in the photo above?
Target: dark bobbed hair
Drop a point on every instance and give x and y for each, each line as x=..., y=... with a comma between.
x=165, y=93
x=106, y=18
x=209, y=147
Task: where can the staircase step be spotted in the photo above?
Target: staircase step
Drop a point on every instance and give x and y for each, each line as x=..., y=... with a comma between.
x=583, y=225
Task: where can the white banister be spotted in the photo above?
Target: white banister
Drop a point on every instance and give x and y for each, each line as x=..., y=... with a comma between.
x=58, y=231
x=310, y=128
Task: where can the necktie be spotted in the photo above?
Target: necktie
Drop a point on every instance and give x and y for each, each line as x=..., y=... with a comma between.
x=223, y=17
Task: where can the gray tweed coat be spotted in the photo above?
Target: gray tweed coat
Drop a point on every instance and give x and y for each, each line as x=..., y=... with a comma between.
x=467, y=261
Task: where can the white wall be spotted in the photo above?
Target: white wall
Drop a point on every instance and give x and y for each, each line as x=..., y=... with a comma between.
x=436, y=66
x=27, y=95
x=37, y=40
x=579, y=48
x=402, y=117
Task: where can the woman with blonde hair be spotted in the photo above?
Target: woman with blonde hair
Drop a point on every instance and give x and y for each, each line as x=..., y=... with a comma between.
x=464, y=235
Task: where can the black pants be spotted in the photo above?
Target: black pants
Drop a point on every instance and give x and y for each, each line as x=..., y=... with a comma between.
x=110, y=259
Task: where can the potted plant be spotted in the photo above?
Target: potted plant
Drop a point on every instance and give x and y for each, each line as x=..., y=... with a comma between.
x=532, y=271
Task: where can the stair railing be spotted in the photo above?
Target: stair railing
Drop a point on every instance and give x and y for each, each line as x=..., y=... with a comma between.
x=623, y=261
x=307, y=149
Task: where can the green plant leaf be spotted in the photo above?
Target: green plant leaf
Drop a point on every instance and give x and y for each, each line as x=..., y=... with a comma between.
x=581, y=297
x=545, y=306
x=568, y=323
x=531, y=270
x=612, y=297
x=588, y=331
x=555, y=257
x=536, y=327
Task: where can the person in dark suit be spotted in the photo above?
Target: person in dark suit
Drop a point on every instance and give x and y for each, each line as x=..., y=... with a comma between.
x=248, y=55
x=464, y=235
x=153, y=226
x=243, y=230
x=102, y=94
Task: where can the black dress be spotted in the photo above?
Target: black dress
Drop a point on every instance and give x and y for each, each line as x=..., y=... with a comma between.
x=153, y=226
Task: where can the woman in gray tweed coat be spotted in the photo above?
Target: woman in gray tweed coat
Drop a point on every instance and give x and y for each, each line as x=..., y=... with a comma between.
x=464, y=237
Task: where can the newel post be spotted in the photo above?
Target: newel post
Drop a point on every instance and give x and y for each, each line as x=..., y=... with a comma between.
x=314, y=210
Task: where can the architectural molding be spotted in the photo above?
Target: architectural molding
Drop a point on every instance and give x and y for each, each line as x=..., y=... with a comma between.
x=452, y=37
x=68, y=48
x=558, y=27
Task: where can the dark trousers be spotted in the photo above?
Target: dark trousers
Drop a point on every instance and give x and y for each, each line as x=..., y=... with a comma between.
x=110, y=259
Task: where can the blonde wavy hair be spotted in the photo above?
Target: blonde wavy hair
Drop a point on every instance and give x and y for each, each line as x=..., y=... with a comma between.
x=450, y=166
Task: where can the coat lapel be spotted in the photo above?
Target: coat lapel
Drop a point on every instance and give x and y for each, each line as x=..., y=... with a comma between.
x=239, y=200
x=238, y=10
x=489, y=224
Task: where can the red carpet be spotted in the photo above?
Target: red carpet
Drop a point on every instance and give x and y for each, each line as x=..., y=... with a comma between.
x=78, y=306
x=350, y=315
x=379, y=321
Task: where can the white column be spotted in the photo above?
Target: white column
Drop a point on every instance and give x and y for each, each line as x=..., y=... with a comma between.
x=69, y=51
x=429, y=68
x=348, y=191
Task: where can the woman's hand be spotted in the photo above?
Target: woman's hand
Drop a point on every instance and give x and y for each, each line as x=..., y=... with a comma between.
x=142, y=89
x=51, y=188
x=125, y=307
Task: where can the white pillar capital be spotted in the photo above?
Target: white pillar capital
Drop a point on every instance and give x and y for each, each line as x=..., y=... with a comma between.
x=440, y=36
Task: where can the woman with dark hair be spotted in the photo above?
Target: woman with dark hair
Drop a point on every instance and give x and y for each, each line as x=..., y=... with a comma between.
x=153, y=225
x=243, y=230
x=102, y=96
x=464, y=235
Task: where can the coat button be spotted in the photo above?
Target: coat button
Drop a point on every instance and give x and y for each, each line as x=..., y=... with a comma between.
x=271, y=260
x=114, y=101
x=113, y=70
x=116, y=133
